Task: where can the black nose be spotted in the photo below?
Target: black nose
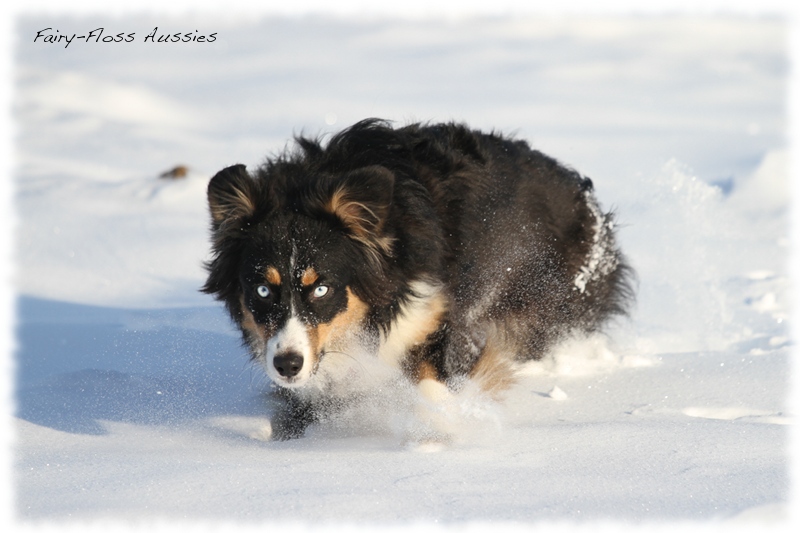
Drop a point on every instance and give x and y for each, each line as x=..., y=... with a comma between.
x=288, y=364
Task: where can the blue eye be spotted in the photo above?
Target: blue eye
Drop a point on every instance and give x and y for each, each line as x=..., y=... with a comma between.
x=320, y=291
x=263, y=291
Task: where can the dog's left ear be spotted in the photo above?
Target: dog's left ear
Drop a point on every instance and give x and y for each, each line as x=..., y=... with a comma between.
x=232, y=195
x=362, y=200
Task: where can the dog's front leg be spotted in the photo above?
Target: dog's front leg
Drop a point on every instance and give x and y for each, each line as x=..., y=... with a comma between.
x=291, y=416
x=435, y=411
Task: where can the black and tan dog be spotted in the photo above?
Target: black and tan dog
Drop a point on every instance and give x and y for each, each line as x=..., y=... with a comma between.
x=449, y=254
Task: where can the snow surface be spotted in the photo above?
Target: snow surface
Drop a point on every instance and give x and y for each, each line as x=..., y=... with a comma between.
x=134, y=399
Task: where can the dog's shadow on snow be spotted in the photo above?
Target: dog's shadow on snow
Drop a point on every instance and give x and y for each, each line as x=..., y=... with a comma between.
x=78, y=366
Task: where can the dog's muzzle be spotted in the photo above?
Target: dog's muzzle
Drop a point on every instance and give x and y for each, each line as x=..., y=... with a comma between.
x=288, y=364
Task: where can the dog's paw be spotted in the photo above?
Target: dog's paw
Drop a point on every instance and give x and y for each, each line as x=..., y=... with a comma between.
x=268, y=430
x=435, y=416
x=444, y=418
x=287, y=428
x=263, y=432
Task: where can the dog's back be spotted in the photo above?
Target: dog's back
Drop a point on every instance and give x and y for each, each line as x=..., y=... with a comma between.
x=526, y=253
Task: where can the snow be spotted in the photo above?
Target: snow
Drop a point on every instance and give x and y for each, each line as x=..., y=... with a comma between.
x=135, y=403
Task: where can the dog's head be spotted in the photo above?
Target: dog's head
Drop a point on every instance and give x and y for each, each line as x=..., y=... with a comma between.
x=297, y=261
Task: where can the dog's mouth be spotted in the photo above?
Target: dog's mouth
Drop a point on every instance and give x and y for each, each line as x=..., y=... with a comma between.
x=289, y=383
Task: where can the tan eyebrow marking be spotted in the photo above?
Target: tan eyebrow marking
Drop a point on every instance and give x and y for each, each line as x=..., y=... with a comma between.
x=273, y=276
x=309, y=277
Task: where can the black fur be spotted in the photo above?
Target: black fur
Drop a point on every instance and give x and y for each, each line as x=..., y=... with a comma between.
x=504, y=229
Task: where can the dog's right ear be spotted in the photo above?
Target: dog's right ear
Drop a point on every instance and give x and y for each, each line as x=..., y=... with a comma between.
x=232, y=195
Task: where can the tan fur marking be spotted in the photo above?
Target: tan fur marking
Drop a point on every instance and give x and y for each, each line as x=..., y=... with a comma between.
x=352, y=213
x=326, y=335
x=313, y=341
x=416, y=321
x=425, y=370
x=249, y=323
x=310, y=277
x=273, y=276
x=227, y=205
x=436, y=309
x=336, y=201
x=361, y=220
x=494, y=371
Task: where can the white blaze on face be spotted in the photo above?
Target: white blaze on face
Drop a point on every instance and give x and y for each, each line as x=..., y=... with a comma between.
x=292, y=338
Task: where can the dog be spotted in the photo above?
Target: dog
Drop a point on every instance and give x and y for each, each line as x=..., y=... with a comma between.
x=448, y=254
